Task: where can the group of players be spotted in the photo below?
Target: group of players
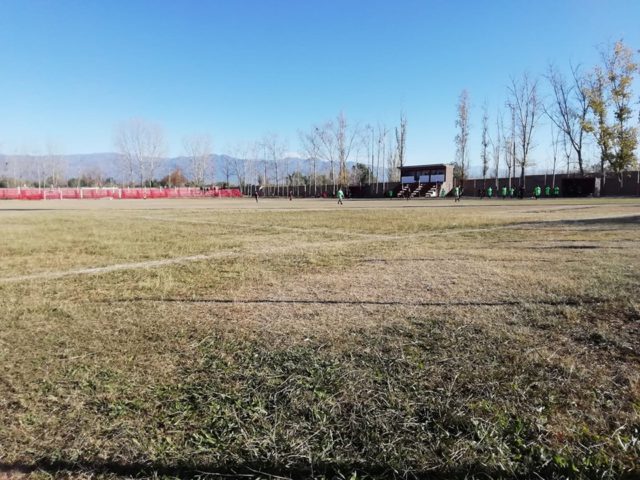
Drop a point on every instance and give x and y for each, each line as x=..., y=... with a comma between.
x=510, y=192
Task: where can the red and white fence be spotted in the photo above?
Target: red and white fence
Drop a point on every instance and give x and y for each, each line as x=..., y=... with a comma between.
x=116, y=193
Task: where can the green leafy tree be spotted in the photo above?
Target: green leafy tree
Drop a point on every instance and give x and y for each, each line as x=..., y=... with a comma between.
x=620, y=69
x=598, y=124
x=610, y=98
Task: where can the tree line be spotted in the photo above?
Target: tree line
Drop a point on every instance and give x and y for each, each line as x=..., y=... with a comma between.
x=590, y=105
x=336, y=153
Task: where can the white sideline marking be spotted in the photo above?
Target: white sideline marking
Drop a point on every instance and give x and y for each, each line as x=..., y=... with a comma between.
x=114, y=268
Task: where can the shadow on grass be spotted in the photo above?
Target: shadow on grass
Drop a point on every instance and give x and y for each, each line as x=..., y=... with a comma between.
x=301, y=301
x=617, y=220
x=267, y=470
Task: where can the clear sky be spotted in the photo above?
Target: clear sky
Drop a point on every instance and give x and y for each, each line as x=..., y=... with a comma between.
x=237, y=69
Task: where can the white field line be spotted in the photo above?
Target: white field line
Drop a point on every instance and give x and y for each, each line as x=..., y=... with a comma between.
x=173, y=261
x=269, y=250
x=116, y=267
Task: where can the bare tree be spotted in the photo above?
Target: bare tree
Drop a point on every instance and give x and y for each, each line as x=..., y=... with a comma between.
x=509, y=146
x=380, y=153
x=54, y=165
x=401, y=140
x=484, y=154
x=496, y=146
x=335, y=141
x=346, y=137
x=393, y=174
x=141, y=145
x=555, y=140
x=198, y=151
x=275, y=149
x=566, y=149
x=226, y=167
x=240, y=164
x=569, y=108
x=526, y=105
x=462, y=137
x=310, y=142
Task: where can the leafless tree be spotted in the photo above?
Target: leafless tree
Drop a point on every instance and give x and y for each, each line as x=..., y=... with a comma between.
x=226, y=167
x=496, y=147
x=380, y=153
x=569, y=108
x=462, y=137
x=335, y=141
x=346, y=137
x=54, y=164
x=199, y=152
x=275, y=150
x=141, y=145
x=526, y=105
x=555, y=140
x=240, y=164
x=393, y=161
x=509, y=146
x=485, y=142
x=401, y=140
x=310, y=142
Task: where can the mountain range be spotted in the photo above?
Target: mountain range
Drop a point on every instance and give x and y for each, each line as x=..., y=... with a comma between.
x=109, y=165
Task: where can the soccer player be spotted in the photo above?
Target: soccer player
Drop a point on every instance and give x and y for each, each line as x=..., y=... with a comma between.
x=537, y=191
x=340, y=196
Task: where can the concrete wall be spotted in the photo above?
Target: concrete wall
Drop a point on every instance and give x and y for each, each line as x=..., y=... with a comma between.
x=610, y=187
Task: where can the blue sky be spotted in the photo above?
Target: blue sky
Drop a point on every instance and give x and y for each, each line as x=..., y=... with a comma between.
x=237, y=69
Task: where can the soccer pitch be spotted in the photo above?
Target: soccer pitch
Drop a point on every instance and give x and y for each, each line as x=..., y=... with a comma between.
x=380, y=338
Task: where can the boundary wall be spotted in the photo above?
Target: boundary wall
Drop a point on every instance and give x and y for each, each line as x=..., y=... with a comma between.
x=612, y=185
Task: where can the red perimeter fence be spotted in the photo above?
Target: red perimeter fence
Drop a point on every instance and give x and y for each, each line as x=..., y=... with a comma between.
x=117, y=193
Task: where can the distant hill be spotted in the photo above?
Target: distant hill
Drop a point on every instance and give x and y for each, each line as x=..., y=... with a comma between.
x=109, y=165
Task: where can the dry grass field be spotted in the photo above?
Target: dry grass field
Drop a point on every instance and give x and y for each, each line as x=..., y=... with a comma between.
x=302, y=339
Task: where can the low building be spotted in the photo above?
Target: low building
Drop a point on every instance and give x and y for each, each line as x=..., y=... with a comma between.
x=429, y=180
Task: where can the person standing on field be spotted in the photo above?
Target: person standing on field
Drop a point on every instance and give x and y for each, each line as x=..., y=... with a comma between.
x=537, y=191
x=503, y=192
x=489, y=193
x=340, y=196
x=456, y=194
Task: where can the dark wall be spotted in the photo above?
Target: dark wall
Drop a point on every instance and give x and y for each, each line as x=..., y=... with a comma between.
x=610, y=187
x=630, y=186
